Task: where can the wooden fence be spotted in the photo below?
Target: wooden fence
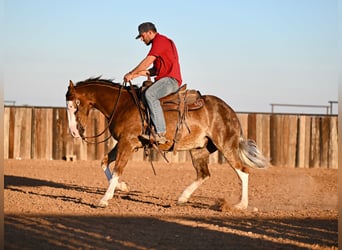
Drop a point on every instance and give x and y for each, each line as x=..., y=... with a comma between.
x=301, y=141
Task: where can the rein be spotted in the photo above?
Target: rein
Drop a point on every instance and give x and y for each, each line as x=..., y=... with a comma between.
x=136, y=100
x=85, y=138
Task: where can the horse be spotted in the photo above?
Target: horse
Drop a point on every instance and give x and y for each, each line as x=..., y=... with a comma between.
x=213, y=127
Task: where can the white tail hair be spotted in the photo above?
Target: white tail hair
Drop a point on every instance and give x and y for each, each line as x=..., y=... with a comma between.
x=250, y=154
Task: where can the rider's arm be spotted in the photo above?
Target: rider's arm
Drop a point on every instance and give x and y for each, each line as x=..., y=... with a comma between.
x=142, y=66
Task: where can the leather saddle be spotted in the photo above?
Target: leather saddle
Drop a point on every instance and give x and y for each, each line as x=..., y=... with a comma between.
x=182, y=100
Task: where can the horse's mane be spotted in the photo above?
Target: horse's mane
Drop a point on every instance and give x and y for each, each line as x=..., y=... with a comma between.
x=99, y=80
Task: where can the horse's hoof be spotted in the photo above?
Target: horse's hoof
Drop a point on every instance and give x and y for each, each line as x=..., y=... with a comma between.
x=123, y=186
x=182, y=201
x=102, y=204
x=241, y=206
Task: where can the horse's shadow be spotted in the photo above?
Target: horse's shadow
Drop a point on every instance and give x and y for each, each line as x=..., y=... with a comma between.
x=139, y=197
x=15, y=183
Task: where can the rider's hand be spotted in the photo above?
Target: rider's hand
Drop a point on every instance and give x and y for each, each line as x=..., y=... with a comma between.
x=129, y=76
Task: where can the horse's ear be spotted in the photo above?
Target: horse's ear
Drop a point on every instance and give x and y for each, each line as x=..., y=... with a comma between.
x=71, y=91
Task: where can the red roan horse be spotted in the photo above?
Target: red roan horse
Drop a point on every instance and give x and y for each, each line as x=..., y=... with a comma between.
x=213, y=127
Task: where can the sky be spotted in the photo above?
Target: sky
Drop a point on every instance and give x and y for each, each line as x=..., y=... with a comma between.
x=250, y=53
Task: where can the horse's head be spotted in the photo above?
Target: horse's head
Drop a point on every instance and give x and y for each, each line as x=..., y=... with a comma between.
x=78, y=109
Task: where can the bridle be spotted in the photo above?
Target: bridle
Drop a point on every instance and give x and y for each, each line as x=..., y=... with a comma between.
x=86, y=138
x=136, y=101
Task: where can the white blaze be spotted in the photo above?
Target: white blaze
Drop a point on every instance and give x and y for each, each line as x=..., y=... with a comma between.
x=71, y=109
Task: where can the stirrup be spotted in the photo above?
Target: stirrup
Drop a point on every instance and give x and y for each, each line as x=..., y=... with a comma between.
x=160, y=139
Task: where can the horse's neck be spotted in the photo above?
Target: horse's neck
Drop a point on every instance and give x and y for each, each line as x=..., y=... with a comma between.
x=108, y=100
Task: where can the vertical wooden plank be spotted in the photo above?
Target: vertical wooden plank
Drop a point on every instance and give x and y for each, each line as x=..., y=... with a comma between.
x=182, y=156
x=252, y=127
x=56, y=135
x=283, y=134
x=243, y=118
x=17, y=133
x=49, y=133
x=22, y=134
x=315, y=154
x=333, y=146
x=277, y=139
x=62, y=140
x=6, y=131
x=280, y=139
x=292, y=141
x=303, y=141
x=42, y=133
x=153, y=155
x=172, y=157
x=259, y=131
x=325, y=133
x=36, y=134
x=25, y=134
x=11, y=133
x=307, y=141
x=273, y=139
x=263, y=134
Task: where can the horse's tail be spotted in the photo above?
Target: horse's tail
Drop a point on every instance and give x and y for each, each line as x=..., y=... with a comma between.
x=250, y=154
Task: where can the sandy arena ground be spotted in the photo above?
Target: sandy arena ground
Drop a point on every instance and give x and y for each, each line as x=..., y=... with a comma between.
x=51, y=205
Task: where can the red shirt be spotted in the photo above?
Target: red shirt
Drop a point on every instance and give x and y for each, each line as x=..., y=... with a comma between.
x=166, y=63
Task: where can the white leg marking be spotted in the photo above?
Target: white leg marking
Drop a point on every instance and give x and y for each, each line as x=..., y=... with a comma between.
x=110, y=191
x=122, y=186
x=184, y=197
x=243, y=204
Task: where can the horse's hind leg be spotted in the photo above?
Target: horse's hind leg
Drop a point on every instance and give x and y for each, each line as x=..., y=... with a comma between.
x=243, y=176
x=235, y=162
x=200, y=158
x=105, y=163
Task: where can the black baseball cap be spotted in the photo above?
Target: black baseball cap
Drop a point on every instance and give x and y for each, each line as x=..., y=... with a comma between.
x=144, y=27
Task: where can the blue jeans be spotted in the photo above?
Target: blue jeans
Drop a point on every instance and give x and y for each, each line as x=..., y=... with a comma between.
x=159, y=89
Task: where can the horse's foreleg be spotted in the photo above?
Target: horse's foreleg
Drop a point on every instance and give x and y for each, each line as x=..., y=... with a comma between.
x=105, y=163
x=105, y=167
x=107, y=160
x=120, y=163
x=243, y=204
x=110, y=191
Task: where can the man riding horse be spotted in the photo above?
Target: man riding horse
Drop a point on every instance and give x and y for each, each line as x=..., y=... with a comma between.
x=166, y=69
x=211, y=125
